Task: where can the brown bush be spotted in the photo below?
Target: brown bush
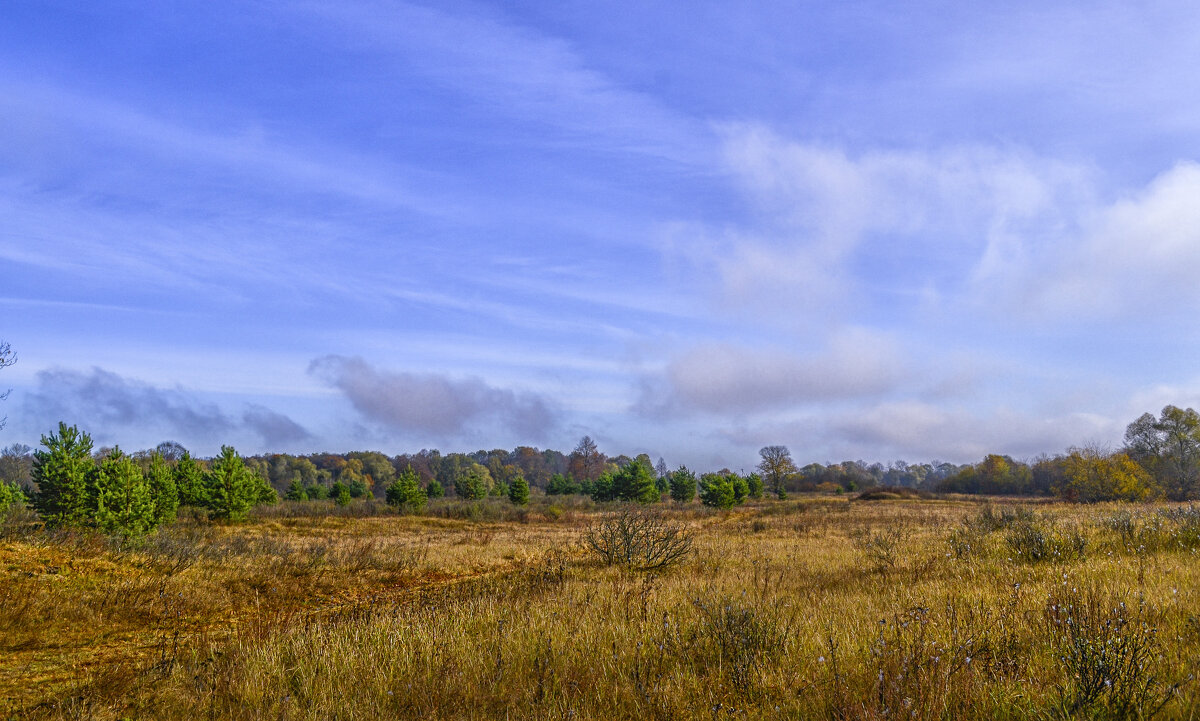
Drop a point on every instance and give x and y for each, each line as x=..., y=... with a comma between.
x=639, y=539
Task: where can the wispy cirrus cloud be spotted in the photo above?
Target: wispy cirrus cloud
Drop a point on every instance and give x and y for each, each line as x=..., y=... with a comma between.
x=519, y=73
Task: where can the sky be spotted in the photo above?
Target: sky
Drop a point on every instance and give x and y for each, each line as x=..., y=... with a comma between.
x=863, y=230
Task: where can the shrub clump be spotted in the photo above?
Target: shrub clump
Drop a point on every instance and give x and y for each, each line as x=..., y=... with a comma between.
x=1109, y=654
x=639, y=539
x=1035, y=543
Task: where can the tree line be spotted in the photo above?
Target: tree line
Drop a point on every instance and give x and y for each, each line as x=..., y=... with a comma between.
x=72, y=486
x=69, y=483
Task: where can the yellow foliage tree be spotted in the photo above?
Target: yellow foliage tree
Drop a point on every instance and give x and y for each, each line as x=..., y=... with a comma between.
x=1092, y=475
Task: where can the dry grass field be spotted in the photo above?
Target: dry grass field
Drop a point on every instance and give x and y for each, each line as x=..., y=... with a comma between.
x=811, y=608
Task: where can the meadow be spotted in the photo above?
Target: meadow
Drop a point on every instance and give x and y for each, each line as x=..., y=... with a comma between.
x=817, y=607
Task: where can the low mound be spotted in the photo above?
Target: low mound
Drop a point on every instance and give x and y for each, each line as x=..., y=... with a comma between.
x=892, y=493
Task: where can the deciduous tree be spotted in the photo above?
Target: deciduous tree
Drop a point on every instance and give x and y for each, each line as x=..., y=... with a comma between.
x=7, y=357
x=1169, y=449
x=586, y=461
x=1092, y=474
x=776, y=466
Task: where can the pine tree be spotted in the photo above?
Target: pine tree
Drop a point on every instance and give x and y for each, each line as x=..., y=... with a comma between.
x=561, y=485
x=518, y=491
x=603, y=488
x=64, y=474
x=162, y=489
x=123, y=501
x=11, y=498
x=683, y=485
x=264, y=493
x=635, y=482
x=472, y=484
x=405, y=492
x=189, y=482
x=741, y=489
x=434, y=489
x=340, y=493
x=755, y=482
x=295, y=491
x=231, y=488
x=716, y=491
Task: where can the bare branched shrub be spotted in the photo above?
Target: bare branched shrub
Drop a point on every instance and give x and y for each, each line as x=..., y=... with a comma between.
x=639, y=539
x=1109, y=653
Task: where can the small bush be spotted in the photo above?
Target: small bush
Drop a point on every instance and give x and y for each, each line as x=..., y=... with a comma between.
x=881, y=549
x=989, y=520
x=1121, y=523
x=1185, y=522
x=11, y=499
x=966, y=542
x=642, y=540
x=1035, y=543
x=1108, y=653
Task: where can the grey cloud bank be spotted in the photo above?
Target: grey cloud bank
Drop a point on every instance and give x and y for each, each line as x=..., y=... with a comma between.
x=110, y=406
x=431, y=403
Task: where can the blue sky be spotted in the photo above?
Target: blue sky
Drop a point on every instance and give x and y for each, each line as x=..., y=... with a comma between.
x=862, y=230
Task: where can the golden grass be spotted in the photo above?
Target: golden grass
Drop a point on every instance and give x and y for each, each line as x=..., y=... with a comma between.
x=816, y=607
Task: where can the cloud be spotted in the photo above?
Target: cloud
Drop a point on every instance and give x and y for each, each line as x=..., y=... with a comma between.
x=990, y=232
x=1135, y=257
x=923, y=430
x=826, y=227
x=105, y=402
x=723, y=378
x=276, y=429
x=915, y=430
x=433, y=403
x=519, y=72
